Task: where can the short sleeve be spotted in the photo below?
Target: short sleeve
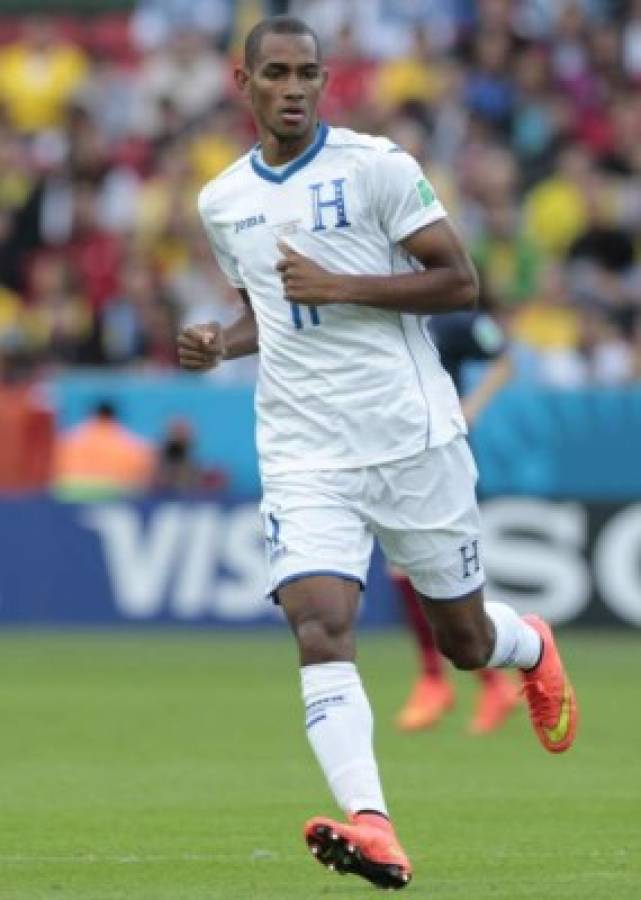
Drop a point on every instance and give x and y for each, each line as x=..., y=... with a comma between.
x=225, y=259
x=403, y=198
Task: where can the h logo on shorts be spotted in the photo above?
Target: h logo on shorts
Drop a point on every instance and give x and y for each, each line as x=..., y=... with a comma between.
x=273, y=539
x=337, y=204
x=470, y=558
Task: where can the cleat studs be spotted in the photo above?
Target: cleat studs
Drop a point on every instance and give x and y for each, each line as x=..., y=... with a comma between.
x=315, y=849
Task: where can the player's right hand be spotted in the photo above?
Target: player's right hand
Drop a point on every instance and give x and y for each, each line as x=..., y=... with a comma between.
x=201, y=347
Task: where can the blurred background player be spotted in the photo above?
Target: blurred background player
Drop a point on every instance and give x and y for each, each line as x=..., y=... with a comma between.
x=461, y=337
x=27, y=426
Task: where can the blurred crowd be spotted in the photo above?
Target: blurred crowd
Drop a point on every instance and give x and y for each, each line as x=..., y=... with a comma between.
x=525, y=113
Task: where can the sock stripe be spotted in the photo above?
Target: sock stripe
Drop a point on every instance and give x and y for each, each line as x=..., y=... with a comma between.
x=315, y=721
x=325, y=701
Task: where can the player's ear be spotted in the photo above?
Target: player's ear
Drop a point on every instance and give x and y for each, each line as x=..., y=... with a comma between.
x=241, y=79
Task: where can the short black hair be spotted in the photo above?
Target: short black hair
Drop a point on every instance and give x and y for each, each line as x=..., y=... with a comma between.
x=276, y=25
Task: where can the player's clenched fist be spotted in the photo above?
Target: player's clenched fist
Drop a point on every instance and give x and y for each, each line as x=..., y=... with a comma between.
x=201, y=347
x=304, y=281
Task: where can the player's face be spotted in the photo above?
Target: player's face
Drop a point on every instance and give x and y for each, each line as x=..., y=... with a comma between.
x=285, y=86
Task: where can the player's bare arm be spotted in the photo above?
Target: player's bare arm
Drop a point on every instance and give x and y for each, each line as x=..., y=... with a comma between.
x=203, y=347
x=448, y=283
x=497, y=376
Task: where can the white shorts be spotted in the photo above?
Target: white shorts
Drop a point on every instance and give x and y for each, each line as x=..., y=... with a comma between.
x=422, y=509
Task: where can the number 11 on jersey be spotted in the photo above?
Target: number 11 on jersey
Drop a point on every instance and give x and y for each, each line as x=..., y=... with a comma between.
x=285, y=230
x=297, y=315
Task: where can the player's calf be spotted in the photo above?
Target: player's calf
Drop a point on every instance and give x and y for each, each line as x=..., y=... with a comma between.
x=466, y=647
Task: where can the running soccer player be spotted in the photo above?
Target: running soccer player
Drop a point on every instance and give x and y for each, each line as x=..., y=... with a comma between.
x=340, y=248
x=460, y=337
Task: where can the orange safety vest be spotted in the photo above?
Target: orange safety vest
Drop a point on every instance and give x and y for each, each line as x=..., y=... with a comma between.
x=101, y=457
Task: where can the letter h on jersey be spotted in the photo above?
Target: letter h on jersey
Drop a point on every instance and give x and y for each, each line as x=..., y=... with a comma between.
x=337, y=203
x=470, y=558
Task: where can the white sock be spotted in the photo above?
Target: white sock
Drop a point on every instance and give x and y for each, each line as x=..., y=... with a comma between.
x=340, y=730
x=517, y=643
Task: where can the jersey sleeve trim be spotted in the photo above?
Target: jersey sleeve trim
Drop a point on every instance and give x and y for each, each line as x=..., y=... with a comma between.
x=415, y=223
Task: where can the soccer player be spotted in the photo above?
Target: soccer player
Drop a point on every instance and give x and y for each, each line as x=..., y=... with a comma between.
x=460, y=337
x=340, y=249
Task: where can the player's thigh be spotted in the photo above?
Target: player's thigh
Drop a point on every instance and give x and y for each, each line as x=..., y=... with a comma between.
x=428, y=521
x=313, y=530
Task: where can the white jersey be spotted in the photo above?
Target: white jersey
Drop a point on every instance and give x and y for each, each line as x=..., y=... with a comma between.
x=340, y=386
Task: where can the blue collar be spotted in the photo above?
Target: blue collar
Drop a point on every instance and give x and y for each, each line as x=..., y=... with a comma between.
x=295, y=165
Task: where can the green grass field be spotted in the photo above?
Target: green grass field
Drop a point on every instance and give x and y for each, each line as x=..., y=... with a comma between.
x=175, y=767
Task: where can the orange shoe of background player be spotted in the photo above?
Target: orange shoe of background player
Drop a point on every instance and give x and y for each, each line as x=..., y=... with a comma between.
x=366, y=846
x=496, y=701
x=550, y=695
x=430, y=699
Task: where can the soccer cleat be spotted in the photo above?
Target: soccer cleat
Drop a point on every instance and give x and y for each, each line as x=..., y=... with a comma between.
x=496, y=701
x=430, y=699
x=549, y=694
x=367, y=846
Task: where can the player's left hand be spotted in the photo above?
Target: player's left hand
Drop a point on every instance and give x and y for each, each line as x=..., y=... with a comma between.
x=304, y=281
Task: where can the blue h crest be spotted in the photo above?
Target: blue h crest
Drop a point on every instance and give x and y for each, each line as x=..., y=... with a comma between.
x=337, y=203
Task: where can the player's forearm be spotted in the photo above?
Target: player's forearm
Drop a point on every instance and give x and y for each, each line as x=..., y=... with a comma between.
x=241, y=337
x=421, y=293
x=497, y=375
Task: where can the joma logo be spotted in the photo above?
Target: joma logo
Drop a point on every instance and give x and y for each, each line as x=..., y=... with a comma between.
x=251, y=222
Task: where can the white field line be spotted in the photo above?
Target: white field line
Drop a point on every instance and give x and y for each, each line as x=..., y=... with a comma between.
x=96, y=859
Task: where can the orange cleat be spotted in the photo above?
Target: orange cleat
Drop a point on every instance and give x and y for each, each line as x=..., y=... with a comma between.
x=550, y=695
x=430, y=699
x=496, y=701
x=367, y=846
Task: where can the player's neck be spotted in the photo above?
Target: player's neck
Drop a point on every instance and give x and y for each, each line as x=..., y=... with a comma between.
x=280, y=151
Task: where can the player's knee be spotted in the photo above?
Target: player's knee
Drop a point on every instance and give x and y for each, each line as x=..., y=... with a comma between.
x=319, y=642
x=466, y=648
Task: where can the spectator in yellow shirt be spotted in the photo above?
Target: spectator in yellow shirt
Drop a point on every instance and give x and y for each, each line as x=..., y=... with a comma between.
x=556, y=208
x=415, y=78
x=38, y=75
x=550, y=321
x=508, y=258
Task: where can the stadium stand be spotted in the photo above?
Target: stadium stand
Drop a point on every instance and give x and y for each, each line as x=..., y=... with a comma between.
x=526, y=116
